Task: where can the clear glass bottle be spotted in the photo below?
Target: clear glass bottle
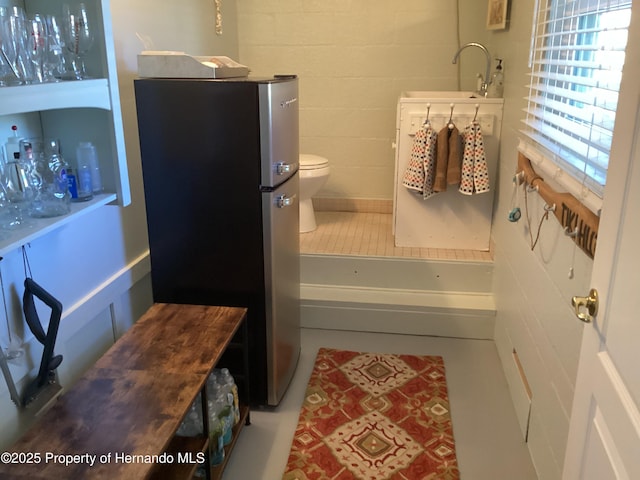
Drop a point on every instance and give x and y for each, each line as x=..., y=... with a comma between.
x=15, y=175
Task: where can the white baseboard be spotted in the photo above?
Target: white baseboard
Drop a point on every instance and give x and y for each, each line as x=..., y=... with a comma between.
x=412, y=312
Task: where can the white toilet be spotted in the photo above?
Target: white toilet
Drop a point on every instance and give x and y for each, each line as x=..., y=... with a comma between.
x=314, y=172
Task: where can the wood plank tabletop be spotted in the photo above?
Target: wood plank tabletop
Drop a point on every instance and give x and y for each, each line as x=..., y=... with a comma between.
x=129, y=404
x=175, y=338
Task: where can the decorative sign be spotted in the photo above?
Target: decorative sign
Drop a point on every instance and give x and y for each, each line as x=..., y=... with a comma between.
x=579, y=228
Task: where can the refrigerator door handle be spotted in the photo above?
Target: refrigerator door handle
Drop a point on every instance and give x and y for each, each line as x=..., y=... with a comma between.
x=283, y=201
x=283, y=168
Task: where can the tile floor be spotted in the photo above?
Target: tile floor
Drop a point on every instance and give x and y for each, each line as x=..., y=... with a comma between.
x=368, y=233
x=489, y=444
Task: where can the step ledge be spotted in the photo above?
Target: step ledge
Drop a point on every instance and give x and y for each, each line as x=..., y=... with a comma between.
x=469, y=303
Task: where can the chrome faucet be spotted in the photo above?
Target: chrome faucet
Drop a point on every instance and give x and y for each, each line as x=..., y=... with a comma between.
x=485, y=80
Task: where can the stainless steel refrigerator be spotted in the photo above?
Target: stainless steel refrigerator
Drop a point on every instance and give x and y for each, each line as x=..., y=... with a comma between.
x=220, y=171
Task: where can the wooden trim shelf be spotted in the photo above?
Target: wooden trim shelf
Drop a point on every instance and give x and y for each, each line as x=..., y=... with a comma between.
x=580, y=223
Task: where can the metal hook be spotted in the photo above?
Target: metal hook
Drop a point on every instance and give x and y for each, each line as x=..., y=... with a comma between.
x=476, y=114
x=428, y=110
x=549, y=208
x=518, y=178
x=532, y=188
x=451, y=115
x=571, y=234
x=25, y=261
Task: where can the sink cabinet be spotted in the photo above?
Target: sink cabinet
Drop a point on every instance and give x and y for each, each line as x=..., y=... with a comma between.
x=448, y=220
x=73, y=111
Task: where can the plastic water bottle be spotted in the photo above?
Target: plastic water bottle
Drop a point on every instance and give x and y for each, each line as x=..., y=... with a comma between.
x=87, y=155
x=212, y=385
x=216, y=433
x=231, y=389
x=225, y=416
x=80, y=184
x=221, y=400
x=191, y=426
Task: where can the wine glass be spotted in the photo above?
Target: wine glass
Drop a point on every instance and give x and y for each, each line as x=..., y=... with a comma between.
x=6, y=71
x=55, y=66
x=37, y=28
x=78, y=37
x=14, y=47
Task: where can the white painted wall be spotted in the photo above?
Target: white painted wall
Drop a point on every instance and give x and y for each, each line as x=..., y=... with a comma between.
x=532, y=289
x=98, y=266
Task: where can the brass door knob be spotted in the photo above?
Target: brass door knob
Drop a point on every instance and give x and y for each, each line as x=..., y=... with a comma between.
x=590, y=304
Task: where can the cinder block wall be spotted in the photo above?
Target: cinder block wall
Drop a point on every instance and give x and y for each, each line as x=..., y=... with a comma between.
x=353, y=59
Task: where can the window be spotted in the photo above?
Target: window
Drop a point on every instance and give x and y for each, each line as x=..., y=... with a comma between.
x=578, y=50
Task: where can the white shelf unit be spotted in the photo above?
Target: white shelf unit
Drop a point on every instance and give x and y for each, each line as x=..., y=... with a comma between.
x=73, y=111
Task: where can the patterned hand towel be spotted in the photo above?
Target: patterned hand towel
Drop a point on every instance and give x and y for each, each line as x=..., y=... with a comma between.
x=430, y=163
x=442, y=159
x=413, y=177
x=475, y=171
x=418, y=175
x=455, y=157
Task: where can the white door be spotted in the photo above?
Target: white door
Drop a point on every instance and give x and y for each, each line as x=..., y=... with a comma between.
x=604, y=433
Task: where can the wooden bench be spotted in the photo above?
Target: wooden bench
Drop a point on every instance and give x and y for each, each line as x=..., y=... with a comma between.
x=119, y=420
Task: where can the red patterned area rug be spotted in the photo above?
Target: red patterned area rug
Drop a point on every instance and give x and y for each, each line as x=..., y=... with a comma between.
x=369, y=416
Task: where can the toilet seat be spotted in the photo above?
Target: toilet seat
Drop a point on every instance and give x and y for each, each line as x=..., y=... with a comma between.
x=312, y=162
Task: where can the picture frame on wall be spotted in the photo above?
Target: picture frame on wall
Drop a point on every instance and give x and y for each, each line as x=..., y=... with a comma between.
x=497, y=14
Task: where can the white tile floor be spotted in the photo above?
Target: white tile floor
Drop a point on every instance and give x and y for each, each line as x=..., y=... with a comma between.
x=369, y=234
x=489, y=444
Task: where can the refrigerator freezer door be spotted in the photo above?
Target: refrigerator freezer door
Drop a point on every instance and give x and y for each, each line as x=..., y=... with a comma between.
x=206, y=210
x=282, y=286
x=279, y=130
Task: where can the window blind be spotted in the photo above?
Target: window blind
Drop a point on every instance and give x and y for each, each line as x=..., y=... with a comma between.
x=577, y=56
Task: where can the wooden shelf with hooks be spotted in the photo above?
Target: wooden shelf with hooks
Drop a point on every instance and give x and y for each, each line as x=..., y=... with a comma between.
x=580, y=223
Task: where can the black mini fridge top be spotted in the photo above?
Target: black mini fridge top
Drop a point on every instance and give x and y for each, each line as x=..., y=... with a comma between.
x=220, y=171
